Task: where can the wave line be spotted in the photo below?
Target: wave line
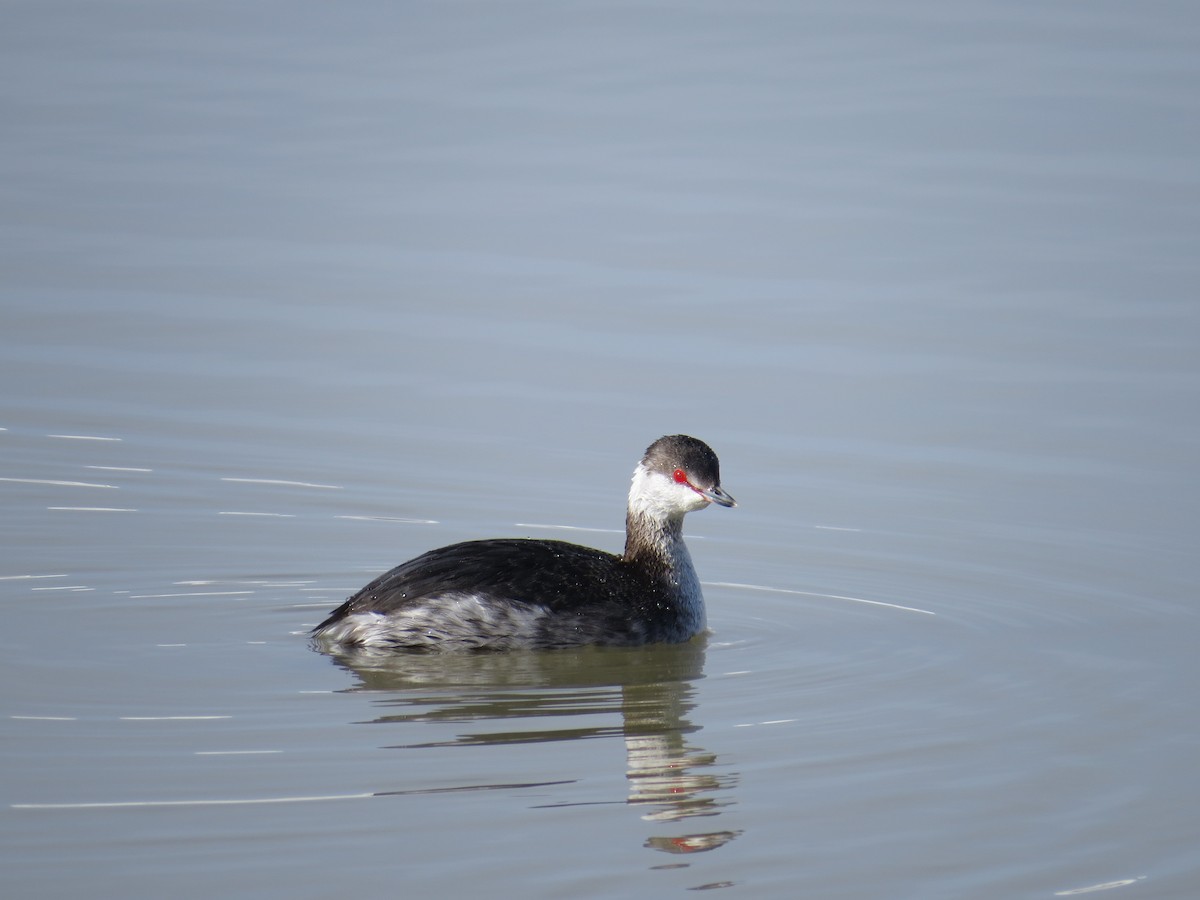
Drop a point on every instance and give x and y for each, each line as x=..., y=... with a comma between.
x=775, y=590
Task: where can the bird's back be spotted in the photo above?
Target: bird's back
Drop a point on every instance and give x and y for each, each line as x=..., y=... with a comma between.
x=504, y=593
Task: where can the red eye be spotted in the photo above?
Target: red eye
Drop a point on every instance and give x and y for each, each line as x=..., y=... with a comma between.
x=681, y=476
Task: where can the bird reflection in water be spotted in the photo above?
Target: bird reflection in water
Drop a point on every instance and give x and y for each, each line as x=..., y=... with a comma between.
x=649, y=690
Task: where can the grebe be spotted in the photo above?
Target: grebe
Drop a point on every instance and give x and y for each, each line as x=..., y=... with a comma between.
x=519, y=592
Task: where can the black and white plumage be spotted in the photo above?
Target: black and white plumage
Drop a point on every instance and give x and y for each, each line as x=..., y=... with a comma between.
x=518, y=592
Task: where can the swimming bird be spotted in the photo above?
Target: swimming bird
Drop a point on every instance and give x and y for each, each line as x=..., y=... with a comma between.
x=508, y=593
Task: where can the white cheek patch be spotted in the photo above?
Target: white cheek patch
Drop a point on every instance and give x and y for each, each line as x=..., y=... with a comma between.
x=660, y=497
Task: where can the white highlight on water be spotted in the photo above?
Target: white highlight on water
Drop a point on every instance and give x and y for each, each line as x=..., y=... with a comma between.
x=1106, y=886
x=58, y=483
x=171, y=718
x=84, y=437
x=230, y=802
x=191, y=594
x=279, y=481
x=568, y=528
x=266, y=515
x=402, y=521
x=775, y=590
x=235, y=752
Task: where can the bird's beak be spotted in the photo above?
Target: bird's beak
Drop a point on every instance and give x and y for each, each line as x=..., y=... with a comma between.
x=716, y=495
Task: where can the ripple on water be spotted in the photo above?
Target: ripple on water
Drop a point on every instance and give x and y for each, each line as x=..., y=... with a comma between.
x=820, y=670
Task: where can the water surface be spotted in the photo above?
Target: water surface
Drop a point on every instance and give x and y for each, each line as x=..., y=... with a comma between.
x=293, y=292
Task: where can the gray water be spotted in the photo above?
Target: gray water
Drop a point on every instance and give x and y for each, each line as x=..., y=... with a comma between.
x=293, y=292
